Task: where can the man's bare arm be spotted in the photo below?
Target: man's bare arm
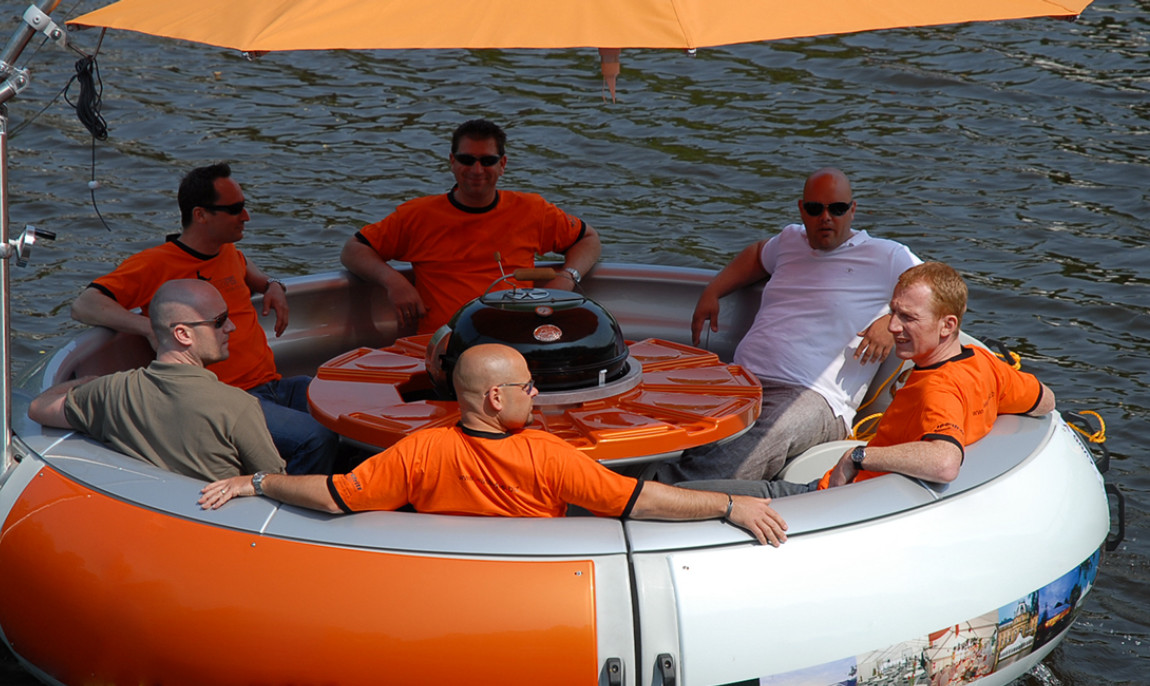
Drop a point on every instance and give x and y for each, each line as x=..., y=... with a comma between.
x=581, y=257
x=1045, y=404
x=275, y=295
x=363, y=261
x=937, y=461
x=95, y=308
x=309, y=490
x=743, y=271
x=47, y=409
x=660, y=501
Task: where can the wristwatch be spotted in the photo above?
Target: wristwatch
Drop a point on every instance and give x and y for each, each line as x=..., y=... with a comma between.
x=575, y=275
x=271, y=281
x=258, y=482
x=857, y=456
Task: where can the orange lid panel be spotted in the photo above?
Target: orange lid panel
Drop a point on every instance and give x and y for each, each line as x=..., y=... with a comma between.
x=686, y=398
x=655, y=354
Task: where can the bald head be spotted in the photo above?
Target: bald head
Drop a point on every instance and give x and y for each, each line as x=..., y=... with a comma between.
x=482, y=366
x=488, y=381
x=827, y=208
x=182, y=300
x=828, y=175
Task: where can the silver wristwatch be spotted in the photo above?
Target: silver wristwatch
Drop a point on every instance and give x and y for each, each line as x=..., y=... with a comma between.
x=258, y=482
x=857, y=456
x=575, y=275
x=271, y=281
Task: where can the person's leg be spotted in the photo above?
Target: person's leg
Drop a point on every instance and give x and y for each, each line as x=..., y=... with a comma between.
x=305, y=445
x=792, y=420
x=758, y=489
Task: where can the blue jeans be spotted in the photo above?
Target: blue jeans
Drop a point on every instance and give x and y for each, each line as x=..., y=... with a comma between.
x=305, y=445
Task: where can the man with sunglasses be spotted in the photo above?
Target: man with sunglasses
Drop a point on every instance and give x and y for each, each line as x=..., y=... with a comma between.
x=822, y=319
x=492, y=464
x=173, y=413
x=213, y=215
x=459, y=242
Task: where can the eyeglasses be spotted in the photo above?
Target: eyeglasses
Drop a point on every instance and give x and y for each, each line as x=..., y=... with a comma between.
x=217, y=322
x=235, y=208
x=527, y=386
x=838, y=209
x=486, y=160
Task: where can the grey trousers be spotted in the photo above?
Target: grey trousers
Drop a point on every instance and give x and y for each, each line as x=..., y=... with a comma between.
x=793, y=419
x=759, y=489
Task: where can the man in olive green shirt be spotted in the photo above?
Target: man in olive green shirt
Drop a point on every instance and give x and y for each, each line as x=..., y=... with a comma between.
x=173, y=413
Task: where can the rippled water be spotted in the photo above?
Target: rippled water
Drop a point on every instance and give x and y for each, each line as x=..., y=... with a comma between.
x=1015, y=151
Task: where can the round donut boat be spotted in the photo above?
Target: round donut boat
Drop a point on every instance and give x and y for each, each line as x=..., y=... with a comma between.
x=110, y=573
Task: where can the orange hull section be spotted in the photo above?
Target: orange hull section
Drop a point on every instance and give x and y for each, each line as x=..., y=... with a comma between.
x=97, y=591
x=687, y=398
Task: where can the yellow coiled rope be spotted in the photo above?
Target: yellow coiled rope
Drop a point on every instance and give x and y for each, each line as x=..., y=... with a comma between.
x=857, y=433
x=1015, y=360
x=1098, y=436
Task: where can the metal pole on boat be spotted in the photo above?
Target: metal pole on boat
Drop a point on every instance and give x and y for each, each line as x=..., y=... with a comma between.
x=5, y=319
x=35, y=21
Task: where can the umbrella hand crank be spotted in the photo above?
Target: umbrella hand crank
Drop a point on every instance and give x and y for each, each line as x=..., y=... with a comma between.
x=22, y=247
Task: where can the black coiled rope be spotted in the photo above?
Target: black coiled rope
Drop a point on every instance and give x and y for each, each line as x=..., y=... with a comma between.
x=87, y=106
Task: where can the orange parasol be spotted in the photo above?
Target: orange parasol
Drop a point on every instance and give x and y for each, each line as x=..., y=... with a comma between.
x=266, y=25
x=270, y=25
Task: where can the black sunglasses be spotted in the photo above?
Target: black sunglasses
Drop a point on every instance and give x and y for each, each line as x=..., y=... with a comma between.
x=838, y=209
x=234, y=208
x=217, y=322
x=486, y=160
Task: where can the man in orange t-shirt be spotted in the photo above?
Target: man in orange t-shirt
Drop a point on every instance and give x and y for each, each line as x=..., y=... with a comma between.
x=213, y=216
x=491, y=464
x=451, y=240
x=951, y=398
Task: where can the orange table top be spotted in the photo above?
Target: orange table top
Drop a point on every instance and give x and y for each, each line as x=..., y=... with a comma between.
x=685, y=398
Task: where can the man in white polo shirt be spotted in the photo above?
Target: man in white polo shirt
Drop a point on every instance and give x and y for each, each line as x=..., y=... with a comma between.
x=822, y=321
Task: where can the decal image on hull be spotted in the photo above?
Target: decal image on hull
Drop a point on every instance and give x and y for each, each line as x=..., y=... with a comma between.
x=965, y=652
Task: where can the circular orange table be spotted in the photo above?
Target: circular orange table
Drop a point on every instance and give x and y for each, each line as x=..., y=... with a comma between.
x=682, y=397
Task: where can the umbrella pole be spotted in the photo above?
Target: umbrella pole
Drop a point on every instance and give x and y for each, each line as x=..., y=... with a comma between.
x=5, y=317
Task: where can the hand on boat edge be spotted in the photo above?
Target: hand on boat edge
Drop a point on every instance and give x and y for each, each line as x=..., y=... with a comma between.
x=757, y=516
x=219, y=492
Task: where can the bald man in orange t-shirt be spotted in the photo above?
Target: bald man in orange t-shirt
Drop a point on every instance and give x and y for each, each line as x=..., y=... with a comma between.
x=492, y=464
